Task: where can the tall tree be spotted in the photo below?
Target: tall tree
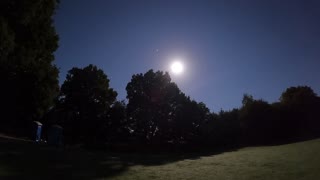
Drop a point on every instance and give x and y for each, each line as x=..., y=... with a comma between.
x=161, y=113
x=28, y=77
x=86, y=93
x=150, y=98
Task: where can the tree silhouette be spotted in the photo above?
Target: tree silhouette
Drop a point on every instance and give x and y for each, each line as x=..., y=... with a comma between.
x=189, y=119
x=300, y=107
x=151, y=100
x=116, y=127
x=256, y=121
x=298, y=96
x=224, y=129
x=87, y=94
x=160, y=113
x=27, y=43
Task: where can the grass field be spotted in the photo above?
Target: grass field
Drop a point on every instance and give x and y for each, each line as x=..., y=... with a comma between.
x=25, y=160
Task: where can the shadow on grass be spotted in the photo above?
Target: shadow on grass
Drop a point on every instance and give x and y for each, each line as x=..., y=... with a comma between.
x=26, y=160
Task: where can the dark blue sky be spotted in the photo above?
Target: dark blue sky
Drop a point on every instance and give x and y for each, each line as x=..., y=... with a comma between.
x=229, y=47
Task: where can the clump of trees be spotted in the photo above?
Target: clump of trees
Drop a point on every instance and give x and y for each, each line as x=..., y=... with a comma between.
x=160, y=113
x=157, y=114
x=293, y=118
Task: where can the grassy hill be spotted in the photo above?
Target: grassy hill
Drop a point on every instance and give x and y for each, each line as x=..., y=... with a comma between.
x=25, y=160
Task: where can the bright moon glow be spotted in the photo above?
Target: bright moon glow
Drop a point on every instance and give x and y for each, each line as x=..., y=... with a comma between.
x=177, y=67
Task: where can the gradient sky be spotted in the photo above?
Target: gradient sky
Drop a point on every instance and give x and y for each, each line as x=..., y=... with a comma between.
x=229, y=47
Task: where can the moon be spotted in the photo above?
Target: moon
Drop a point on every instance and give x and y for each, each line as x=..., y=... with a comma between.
x=177, y=67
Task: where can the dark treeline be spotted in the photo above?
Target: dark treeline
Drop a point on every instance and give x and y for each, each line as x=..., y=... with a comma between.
x=157, y=114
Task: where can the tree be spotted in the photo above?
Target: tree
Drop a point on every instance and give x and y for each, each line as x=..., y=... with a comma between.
x=298, y=96
x=189, y=120
x=160, y=113
x=151, y=101
x=87, y=94
x=301, y=111
x=256, y=121
x=27, y=43
x=222, y=130
x=116, y=127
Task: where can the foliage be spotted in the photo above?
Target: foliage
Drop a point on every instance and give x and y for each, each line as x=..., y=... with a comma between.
x=157, y=113
x=151, y=101
x=295, y=117
x=86, y=93
x=256, y=121
x=298, y=96
x=27, y=43
x=190, y=118
x=160, y=112
x=300, y=108
x=223, y=130
x=116, y=127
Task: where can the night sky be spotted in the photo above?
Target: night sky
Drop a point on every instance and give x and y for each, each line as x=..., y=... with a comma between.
x=228, y=47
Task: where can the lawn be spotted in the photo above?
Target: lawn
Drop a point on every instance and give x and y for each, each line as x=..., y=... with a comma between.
x=26, y=160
